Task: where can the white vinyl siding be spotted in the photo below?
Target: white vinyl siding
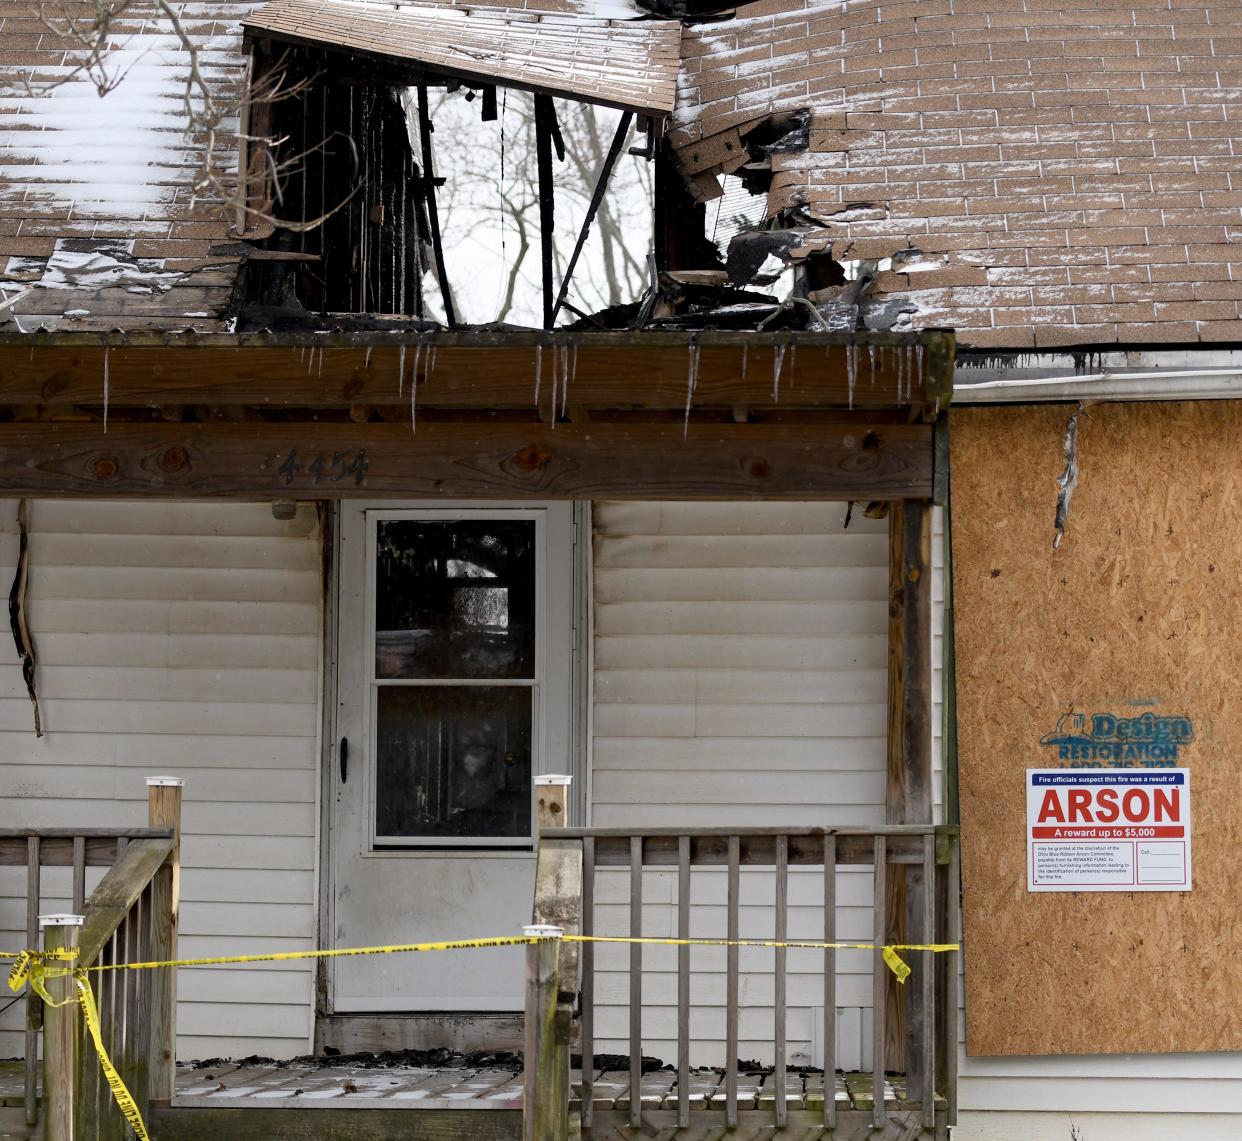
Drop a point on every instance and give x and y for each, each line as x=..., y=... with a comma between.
x=739, y=680
x=182, y=639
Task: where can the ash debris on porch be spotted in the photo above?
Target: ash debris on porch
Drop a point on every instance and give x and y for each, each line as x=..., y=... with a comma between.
x=438, y=1079
x=384, y=1059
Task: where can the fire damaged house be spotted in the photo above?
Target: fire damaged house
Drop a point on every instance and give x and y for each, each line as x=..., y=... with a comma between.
x=475, y=465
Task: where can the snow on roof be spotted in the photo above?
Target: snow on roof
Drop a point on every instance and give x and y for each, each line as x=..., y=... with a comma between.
x=78, y=167
x=623, y=63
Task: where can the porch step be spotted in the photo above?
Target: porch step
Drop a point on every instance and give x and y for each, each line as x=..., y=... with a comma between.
x=286, y=1122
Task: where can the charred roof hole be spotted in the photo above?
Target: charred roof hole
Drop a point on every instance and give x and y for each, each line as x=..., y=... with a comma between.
x=382, y=192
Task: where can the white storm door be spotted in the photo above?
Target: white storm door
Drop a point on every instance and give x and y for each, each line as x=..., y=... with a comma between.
x=454, y=682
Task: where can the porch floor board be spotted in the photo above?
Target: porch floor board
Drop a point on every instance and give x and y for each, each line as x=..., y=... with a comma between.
x=500, y=1088
x=413, y=1087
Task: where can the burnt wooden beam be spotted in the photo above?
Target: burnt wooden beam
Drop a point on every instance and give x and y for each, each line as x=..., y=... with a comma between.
x=846, y=460
x=545, y=128
x=475, y=369
x=433, y=213
x=489, y=112
x=597, y=197
x=908, y=797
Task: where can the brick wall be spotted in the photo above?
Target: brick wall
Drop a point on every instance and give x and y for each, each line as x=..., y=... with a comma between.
x=1046, y=173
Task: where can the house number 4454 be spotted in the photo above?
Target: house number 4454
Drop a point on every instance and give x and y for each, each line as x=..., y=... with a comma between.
x=321, y=466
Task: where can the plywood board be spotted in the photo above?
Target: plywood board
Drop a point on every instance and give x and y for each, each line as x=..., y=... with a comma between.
x=1137, y=610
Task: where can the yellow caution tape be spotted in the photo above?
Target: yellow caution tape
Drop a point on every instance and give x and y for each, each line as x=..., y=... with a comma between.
x=36, y=973
x=888, y=952
x=339, y=952
x=120, y=1092
x=896, y=964
x=33, y=969
x=26, y=961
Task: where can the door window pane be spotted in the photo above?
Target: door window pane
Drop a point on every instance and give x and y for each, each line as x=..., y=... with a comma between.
x=455, y=598
x=453, y=761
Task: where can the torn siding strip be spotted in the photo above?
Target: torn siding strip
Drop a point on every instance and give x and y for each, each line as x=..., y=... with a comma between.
x=1068, y=479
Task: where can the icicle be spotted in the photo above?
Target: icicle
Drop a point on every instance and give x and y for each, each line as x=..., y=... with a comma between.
x=431, y=360
x=901, y=377
x=871, y=357
x=538, y=372
x=573, y=375
x=105, y=378
x=319, y=373
x=851, y=366
x=418, y=356
x=918, y=364
x=778, y=360
x=414, y=396
x=910, y=372
x=366, y=360
x=850, y=380
x=565, y=376
x=563, y=353
x=745, y=354
x=401, y=370
x=692, y=382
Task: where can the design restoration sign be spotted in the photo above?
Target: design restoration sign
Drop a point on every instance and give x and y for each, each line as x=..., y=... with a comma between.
x=1108, y=829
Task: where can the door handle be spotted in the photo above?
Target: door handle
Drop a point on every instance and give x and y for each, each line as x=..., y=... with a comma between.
x=344, y=754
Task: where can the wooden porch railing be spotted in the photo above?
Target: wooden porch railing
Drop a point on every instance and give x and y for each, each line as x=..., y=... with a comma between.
x=130, y=917
x=569, y=859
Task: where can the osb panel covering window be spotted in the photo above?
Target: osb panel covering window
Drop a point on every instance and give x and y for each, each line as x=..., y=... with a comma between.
x=1047, y=173
x=1137, y=609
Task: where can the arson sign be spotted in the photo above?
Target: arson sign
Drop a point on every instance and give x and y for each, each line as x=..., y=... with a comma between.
x=1108, y=829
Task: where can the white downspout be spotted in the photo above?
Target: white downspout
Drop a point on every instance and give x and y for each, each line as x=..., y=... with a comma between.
x=1156, y=384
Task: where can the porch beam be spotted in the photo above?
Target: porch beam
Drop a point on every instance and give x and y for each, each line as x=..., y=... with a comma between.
x=843, y=459
x=63, y=373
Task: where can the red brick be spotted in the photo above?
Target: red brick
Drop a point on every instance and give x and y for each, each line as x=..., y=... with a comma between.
x=1053, y=336
x=1198, y=311
x=1034, y=316
x=1087, y=314
x=1008, y=337
x=1167, y=332
x=1163, y=292
x=1218, y=330
x=1201, y=271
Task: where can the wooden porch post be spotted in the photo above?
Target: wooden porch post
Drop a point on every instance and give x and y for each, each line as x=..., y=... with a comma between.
x=909, y=785
x=551, y=802
x=551, y=966
x=545, y=1103
x=61, y=1033
x=164, y=811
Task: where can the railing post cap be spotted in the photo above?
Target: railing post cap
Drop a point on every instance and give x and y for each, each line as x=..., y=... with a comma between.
x=552, y=778
x=61, y=920
x=165, y=782
x=543, y=930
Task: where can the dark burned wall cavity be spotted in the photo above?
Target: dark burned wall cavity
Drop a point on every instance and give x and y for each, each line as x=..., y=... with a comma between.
x=351, y=195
